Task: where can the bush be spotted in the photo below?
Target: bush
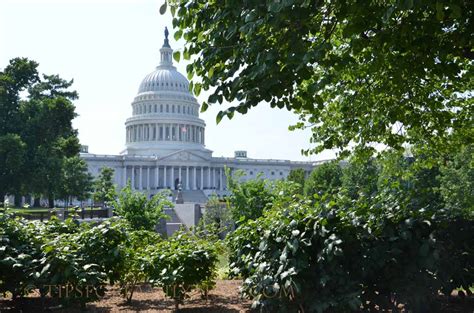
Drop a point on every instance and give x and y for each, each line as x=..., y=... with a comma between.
x=137, y=266
x=181, y=263
x=63, y=259
x=324, y=179
x=248, y=199
x=138, y=211
x=343, y=255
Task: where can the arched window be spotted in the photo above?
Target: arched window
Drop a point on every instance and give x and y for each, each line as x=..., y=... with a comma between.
x=167, y=108
x=155, y=108
x=179, y=109
x=172, y=108
x=161, y=107
x=149, y=108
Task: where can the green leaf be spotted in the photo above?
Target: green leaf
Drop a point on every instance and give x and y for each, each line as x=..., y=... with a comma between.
x=197, y=89
x=177, y=35
x=176, y=56
x=163, y=7
x=204, y=107
x=439, y=11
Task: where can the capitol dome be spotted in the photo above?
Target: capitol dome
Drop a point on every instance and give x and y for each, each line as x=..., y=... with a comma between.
x=164, y=78
x=165, y=114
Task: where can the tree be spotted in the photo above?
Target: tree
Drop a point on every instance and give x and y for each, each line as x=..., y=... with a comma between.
x=12, y=158
x=138, y=211
x=76, y=181
x=357, y=72
x=41, y=122
x=217, y=216
x=104, y=188
x=360, y=177
x=297, y=175
x=325, y=178
x=457, y=180
x=248, y=199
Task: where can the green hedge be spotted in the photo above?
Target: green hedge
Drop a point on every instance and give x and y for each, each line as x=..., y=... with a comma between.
x=342, y=256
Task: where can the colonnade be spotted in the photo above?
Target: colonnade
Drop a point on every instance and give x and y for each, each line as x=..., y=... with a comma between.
x=165, y=132
x=144, y=177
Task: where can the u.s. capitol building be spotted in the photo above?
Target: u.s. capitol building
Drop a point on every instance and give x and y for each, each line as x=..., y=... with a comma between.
x=165, y=143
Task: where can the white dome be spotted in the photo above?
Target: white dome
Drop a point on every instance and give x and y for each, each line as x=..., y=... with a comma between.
x=165, y=114
x=164, y=78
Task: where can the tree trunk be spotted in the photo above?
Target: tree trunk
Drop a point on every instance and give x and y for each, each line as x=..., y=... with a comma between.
x=17, y=200
x=2, y=197
x=36, y=202
x=50, y=201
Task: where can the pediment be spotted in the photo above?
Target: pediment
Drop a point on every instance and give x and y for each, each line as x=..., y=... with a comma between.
x=185, y=156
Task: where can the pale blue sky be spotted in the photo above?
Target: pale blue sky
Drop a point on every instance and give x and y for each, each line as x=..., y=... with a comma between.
x=108, y=47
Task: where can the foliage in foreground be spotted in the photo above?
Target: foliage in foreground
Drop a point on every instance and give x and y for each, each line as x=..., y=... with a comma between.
x=361, y=249
x=75, y=262
x=358, y=72
x=61, y=259
x=181, y=263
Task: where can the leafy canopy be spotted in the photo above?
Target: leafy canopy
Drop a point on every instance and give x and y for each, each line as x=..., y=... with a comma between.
x=141, y=213
x=36, y=114
x=357, y=72
x=104, y=188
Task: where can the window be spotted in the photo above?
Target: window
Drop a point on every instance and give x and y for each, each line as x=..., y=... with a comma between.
x=281, y=173
x=273, y=173
x=167, y=108
x=172, y=108
x=179, y=109
x=251, y=172
x=161, y=107
x=155, y=108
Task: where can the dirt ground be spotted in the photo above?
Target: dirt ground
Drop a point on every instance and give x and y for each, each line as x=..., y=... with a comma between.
x=223, y=299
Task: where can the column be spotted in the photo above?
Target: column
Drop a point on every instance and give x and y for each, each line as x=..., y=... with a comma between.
x=177, y=132
x=164, y=177
x=140, y=182
x=133, y=177
x=157, y=176
x=179, y=175
x=187, y=177
x=194, y=178
x=162, y=127
x=124, y=176
x=214, y=178
x=221, y=183
x=148, y=178
x=172, y=178
x=150, y=132
x=202, y=177
x=209, y=177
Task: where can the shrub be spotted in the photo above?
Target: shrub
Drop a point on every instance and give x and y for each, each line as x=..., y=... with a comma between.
x=248, y=199
x=19, y=251
x=138, y=211
x=342, y=255
x=104, y=245
x=324, y=179
x=181, y=263
x=137, y=266
x=217, y=218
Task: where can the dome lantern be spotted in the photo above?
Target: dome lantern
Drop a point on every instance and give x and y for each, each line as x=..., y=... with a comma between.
x=166, y=51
